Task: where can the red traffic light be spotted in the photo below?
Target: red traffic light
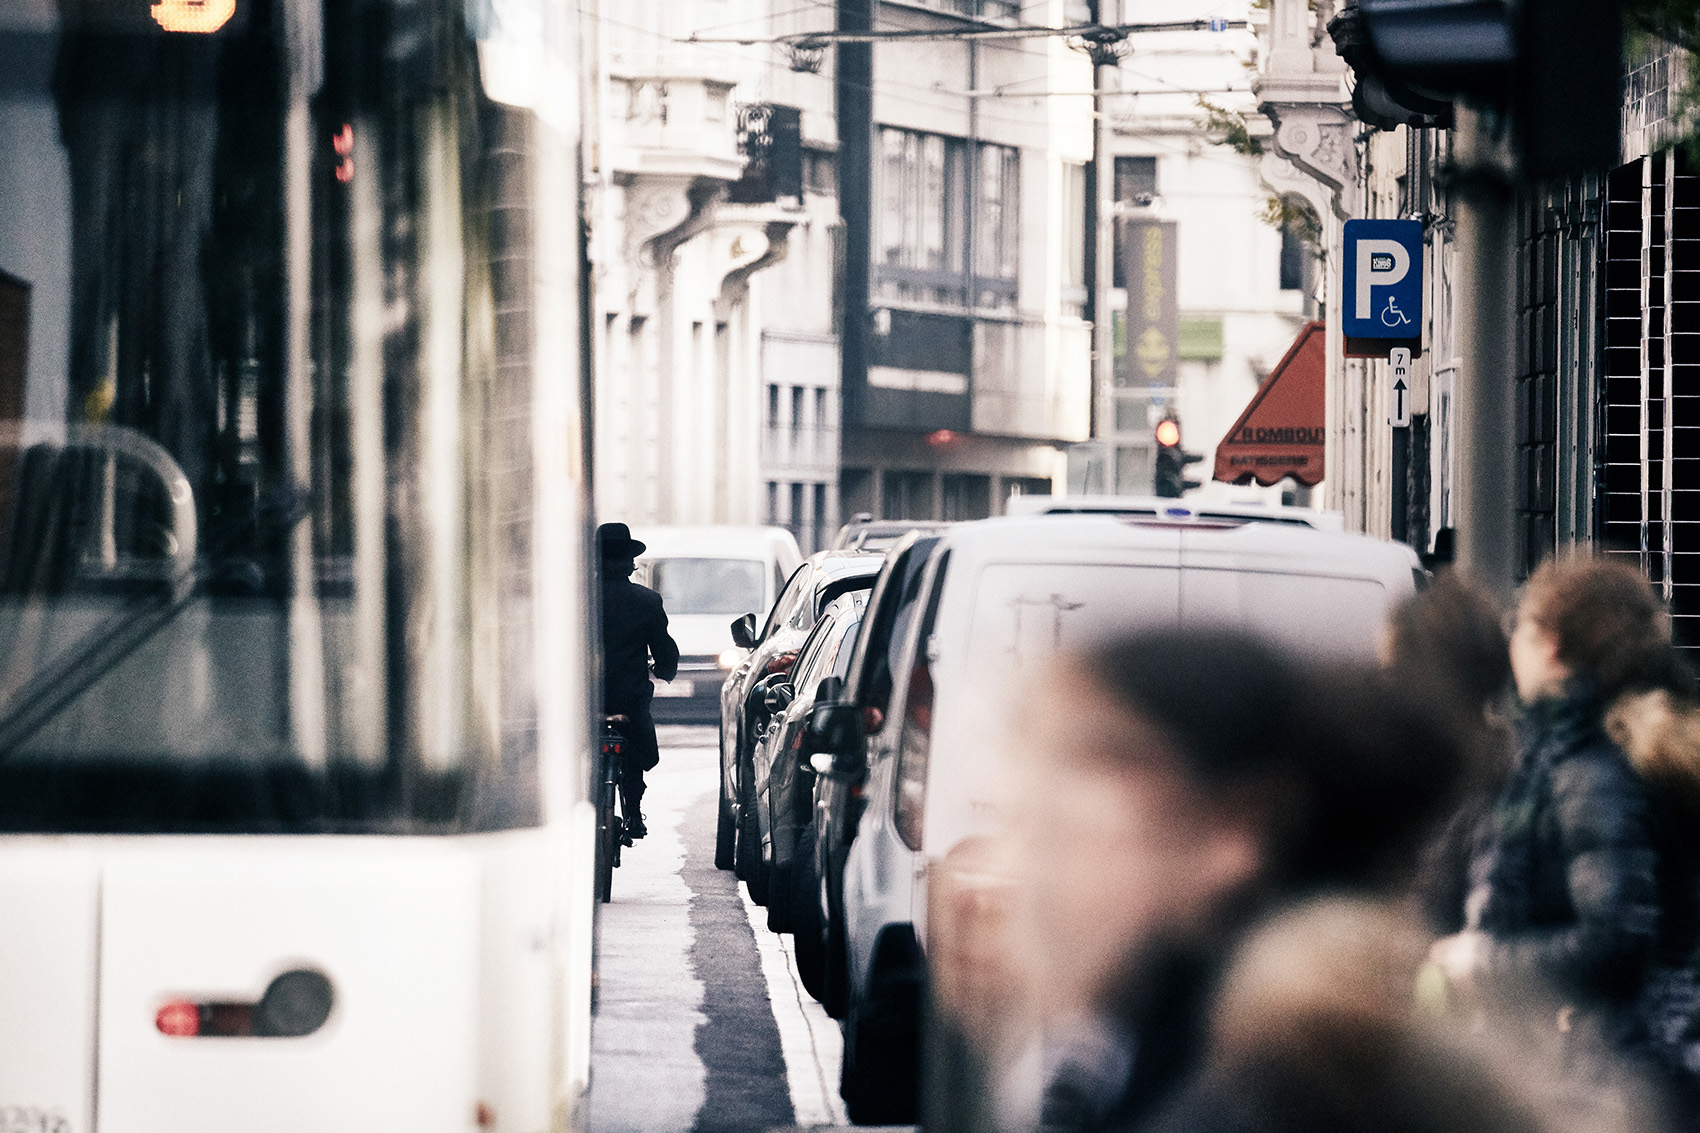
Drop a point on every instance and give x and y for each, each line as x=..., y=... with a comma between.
x=1168, y=433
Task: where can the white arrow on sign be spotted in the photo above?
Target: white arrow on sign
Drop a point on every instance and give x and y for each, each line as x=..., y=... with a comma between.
x=1399, y=395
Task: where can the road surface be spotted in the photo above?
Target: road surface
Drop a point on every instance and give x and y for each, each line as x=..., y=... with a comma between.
x=701, y=1024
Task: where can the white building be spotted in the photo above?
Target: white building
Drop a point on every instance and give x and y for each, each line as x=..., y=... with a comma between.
x=716, y=376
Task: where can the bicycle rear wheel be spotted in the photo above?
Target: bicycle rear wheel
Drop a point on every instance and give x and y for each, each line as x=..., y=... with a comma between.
x=607, y=841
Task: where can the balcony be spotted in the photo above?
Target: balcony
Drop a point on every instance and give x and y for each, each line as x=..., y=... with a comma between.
x=672, y=126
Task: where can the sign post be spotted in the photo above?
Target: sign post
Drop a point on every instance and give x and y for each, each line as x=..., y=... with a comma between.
x=1399, y=387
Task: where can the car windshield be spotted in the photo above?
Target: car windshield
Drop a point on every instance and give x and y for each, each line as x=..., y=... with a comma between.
x=251, y=406
x=709, y=586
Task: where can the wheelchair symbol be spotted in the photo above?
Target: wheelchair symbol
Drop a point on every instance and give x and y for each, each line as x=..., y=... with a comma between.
x=1393, y=316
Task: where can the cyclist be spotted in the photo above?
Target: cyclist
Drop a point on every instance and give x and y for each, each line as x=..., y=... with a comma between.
x=634, y=633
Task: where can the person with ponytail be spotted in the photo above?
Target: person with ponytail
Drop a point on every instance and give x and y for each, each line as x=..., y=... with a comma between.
x=1578, y=893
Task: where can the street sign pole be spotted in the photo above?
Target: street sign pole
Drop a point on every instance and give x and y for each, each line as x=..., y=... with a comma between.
x=1399, y=416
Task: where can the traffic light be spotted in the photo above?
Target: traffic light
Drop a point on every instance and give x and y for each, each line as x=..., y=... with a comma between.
x=1172, y=459
x=1554, y=66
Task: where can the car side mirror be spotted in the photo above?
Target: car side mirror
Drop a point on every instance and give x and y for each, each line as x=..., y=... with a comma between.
x=829, y=690
x=744, y=632
x=778, y=697
x=835, y=729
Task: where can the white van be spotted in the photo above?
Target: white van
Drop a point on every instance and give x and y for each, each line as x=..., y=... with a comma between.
x=708, y=577
x=957, y=626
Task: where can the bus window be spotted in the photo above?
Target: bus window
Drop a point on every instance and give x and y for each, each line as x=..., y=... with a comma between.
x=255, y=573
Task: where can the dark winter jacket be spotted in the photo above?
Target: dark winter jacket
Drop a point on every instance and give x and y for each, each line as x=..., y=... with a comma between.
x=634, y=629
x=1565, y=889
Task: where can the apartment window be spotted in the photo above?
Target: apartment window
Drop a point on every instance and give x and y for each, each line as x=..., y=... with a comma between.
x=997, y=236
x=795, y=520
x=919, y=229
x=796, y=409
x=1293, y=254
x=773, y=406
x=921, y=240
x=820, y=172
x=818, y=517
x=1135, y=180
x=1074, y=239
x=906, y=495
x=773, y=502
x=966, y=496
x=820, y=409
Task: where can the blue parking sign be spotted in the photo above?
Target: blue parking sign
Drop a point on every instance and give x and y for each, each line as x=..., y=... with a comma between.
x=1382, y=292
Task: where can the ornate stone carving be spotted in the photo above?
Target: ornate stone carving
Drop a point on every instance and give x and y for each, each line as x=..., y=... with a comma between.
x=1302, y=94
x=663, y=211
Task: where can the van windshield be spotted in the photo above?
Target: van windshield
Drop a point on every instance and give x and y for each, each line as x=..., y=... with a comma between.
x=709, y=586
x=250, y=412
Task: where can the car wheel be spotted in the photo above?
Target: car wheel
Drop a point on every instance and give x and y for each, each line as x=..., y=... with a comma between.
x=778, y=897
x=880, y=1078
x=725, y=836
x=749, y=854
x=835, y=963
x=806, y=918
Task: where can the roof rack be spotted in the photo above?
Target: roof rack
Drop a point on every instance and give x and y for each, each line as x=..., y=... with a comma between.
x=1175, y=511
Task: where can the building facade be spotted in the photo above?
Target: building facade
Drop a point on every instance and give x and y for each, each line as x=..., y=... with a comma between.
x=974, y=376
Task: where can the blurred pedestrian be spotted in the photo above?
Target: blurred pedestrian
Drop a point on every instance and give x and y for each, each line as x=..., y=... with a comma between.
x=1447, y=643
x=634, y=638
x=1175, y=787
x=1579, y=891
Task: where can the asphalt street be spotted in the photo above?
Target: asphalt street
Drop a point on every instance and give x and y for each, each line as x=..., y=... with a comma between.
x=701, y=1024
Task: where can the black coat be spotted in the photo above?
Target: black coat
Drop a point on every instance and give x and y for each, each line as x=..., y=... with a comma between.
x=1566, y=884
x=634, y=629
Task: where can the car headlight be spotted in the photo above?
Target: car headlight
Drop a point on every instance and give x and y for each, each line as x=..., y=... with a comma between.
x=731, y=658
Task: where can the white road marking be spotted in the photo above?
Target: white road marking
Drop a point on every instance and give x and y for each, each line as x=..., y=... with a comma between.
x=808, y=1036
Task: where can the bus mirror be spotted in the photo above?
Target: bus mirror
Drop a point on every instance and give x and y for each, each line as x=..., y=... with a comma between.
x=835, y=729
x=744, y=632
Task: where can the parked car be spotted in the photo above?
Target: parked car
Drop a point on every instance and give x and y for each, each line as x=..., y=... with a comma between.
x=957, y=622
x=706, y=576
x=784, y=783
x=865, y=533
x=769, y=652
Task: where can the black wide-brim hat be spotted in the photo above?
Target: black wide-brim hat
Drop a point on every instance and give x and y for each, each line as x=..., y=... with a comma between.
x=616, y=542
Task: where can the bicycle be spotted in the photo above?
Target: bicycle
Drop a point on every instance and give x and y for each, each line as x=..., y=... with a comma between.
x=610, y=823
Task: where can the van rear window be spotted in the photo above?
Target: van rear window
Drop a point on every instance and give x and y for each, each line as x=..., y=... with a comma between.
x=709, y=586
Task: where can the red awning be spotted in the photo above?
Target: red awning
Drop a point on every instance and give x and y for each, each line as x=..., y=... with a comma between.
x=1282, y=432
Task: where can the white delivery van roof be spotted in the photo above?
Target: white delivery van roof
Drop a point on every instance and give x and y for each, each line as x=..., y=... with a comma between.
x=1173, y=511
x=721, y=542
x=1018, y=590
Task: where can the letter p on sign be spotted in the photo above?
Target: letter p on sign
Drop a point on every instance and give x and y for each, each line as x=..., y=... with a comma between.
x=1381, y=263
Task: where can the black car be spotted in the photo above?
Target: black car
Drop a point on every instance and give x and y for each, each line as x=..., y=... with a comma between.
x=743, y=710
x=817, y=879
x=784, y=794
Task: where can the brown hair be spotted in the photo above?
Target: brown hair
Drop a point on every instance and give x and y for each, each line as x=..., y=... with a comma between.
x=1449, y=637
x=1604, y=615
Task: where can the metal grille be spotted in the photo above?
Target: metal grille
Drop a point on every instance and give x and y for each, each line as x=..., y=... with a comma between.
x=1649, y=467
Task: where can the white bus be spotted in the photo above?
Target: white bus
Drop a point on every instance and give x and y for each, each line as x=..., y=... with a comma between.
x=294, y=697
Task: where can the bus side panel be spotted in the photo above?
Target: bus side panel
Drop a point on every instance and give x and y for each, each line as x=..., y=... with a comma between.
x=49, y=910
x=393, y=925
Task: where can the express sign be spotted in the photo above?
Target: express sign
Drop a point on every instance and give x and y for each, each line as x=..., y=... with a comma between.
x=1383, y=292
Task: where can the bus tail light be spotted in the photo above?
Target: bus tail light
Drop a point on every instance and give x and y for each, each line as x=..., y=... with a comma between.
x=295, y=1004
x=180, y=1019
